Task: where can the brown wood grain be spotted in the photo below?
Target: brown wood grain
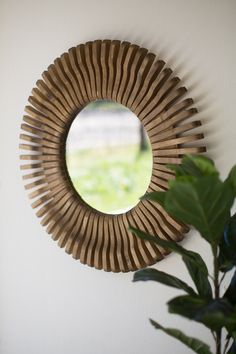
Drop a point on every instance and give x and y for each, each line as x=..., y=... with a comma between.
x=130, y=75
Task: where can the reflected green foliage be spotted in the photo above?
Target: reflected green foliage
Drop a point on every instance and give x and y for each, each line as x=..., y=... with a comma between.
x=110, y=179
x=106, y=105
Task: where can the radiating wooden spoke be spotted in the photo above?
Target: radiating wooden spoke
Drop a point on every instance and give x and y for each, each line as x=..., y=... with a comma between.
x=134, y=77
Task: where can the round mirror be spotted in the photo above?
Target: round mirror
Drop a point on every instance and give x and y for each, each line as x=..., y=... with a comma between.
x=107, y=153
x=108, y=157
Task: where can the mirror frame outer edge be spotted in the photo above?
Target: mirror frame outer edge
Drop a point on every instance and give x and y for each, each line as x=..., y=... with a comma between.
x=132, y=76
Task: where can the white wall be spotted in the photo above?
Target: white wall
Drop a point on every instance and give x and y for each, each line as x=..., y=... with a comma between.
x=51, y=304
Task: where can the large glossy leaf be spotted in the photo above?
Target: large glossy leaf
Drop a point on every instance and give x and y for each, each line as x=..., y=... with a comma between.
x=198, y=197
x=158, y=197
x=215, y=314
x=195, y=344
x=204, y=204
x=227, y=255
x=232, y=179
x=199, y=277
x=164, y=278
x=193, y=261
x=194, y=165
x=187, y=306
x=230, y=293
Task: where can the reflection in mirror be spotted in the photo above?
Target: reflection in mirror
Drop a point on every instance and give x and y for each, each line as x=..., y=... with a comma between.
x=108, y=157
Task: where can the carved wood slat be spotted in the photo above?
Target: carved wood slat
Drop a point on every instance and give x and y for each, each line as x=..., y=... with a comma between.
x=136, y=78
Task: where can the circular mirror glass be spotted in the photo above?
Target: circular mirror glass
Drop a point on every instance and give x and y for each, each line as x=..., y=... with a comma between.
x=108, y=157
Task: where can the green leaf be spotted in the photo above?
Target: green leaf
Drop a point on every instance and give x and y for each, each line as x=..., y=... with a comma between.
x=198, y=197
x=187, y=306
x=158, y=197
x=203, y=164
x=218, y=319
x=194, y=165
x=204, y=204
x=214, y=314
x=230, y=293
x=191, y=166
x=195, y=344
x=164, y=278
x=232, y=179
x=199, y=277
x=189, y=179
x=193, y=261
x=227, y=255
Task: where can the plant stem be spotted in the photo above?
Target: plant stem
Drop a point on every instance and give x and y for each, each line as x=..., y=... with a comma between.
x=216, y=276
x=218, y=342
x=214, y=335
x=217, y=294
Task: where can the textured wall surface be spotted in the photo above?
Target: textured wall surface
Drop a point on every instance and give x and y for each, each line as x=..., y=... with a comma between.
x=49, y=303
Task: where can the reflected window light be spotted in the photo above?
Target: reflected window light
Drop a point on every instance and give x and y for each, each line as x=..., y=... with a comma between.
x=108, y=157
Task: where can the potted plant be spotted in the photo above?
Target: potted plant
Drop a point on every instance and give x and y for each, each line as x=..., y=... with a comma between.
x=199, y=198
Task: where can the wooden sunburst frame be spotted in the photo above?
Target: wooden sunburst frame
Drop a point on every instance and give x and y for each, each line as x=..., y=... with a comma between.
x=134, y=77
